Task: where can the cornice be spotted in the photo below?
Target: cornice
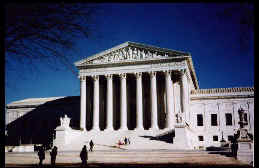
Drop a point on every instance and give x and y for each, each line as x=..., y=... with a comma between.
x=222, y=90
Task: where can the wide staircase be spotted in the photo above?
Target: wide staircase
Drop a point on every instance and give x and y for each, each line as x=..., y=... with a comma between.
x=108, y=140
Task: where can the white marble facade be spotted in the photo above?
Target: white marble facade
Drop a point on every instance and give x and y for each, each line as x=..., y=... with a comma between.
x=145, y=88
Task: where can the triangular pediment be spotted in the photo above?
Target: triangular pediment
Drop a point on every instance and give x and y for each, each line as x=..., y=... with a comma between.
x=128, y=52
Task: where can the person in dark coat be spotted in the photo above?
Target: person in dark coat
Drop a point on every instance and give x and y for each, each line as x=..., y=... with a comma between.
x=234, y=148
x=53, y=155
x=91, y=144
x=84, y=156
x=41, y=154
x=125, y=141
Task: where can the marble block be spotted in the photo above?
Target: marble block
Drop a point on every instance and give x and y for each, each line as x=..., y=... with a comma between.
x=245, y=152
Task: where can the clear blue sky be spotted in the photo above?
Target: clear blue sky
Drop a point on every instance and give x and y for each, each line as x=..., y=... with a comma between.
x=220, y=59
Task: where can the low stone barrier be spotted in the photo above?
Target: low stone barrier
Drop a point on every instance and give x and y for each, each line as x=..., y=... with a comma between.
x=22, y=148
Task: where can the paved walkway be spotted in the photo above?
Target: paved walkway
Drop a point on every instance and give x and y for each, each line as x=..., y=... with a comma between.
x=133, y=158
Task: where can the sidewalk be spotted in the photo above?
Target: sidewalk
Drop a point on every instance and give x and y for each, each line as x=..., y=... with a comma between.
x=129, y=159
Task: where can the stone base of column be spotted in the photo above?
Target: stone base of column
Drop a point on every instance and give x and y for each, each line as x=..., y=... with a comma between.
x=123, y=129
x=154, y=128
x=83, y=129
x=109, y=129
x=139, y=129
x=95, y=129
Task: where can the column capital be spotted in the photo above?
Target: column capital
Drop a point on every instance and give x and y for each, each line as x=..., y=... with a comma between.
x=123, y=75
x=95, y=77
x=182, y=71
x=82, y=78
x=108, y=76
x=167, y=72
x=152, y=73
x=138, y=74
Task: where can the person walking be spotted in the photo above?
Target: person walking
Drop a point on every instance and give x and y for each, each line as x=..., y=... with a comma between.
x=125, y=141
x=84, y=156
x=53, y=155
x=91, y=144
x=41, y=154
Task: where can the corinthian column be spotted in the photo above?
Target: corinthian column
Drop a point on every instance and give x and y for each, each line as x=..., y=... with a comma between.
x=184, y=91
x=139, y=114
x=154, y=121
x=83, y=103
x=170, y=119
x=96, y=103
x=109, y=104
x=123, y=105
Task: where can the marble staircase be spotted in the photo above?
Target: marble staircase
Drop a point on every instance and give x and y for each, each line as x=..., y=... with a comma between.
x=108, y=140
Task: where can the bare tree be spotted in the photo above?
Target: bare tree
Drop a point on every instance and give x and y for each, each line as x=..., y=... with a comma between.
x=45, y=31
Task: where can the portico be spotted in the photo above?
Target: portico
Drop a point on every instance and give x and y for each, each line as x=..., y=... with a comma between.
x=149, y=72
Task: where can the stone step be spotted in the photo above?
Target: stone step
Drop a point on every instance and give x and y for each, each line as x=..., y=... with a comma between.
x=127, y=157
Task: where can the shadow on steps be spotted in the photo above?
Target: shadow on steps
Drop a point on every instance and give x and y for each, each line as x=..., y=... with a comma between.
x=165, y=137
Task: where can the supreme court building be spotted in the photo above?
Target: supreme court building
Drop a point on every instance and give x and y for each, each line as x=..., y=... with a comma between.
x=141, y=91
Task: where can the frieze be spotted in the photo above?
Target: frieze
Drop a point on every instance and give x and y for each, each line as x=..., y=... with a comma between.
x=134, y=68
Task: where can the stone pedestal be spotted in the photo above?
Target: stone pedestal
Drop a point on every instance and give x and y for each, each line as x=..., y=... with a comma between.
x=245, y=151
x=63, y=136
x=181, y=139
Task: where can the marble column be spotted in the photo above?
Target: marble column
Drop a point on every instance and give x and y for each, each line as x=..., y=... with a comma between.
x=109, y=104
x=170, y=116
x=96, y=103
x=139, y=102
x=184, y=91
x=83, y=103
x=154, y=121
x=123, y=102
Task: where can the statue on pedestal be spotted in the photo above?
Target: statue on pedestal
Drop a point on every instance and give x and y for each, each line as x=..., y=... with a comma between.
x=243, y=133
x=179, y=118
x=64, y=122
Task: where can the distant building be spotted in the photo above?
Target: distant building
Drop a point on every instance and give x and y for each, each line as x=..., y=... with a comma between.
x=142, y=90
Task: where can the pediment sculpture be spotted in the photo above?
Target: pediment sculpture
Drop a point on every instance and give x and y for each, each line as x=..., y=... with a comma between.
x=127, y=53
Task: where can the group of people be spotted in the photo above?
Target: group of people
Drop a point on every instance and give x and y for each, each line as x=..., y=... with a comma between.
x=126, y=141
x=54, y=152
x=84, y=154
x=53, y=155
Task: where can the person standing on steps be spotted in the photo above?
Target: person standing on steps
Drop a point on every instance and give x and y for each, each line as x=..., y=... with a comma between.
x=128, y=141
x=41, y=154
x=125, y=141
x=91, y=144
x=84, y=156
x=53, y=155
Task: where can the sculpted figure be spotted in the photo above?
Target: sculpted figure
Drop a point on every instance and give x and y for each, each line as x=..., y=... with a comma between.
x=134, y=54
x=154, y=54
x=120, y=55
x=64, y=122
x=124, y=52
x=143, y=54
x=179, y=117
x=149, y=55
x=130, y=53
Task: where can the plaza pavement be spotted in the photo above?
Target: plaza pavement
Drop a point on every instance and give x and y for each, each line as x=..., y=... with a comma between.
x=127, y=158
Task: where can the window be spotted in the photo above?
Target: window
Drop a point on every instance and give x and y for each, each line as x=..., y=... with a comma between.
x=228, y=119
x=200, y=138
x=215, y=138
x=245, y=117
x=199, y=120
x=214, y=121
x=230, y=138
